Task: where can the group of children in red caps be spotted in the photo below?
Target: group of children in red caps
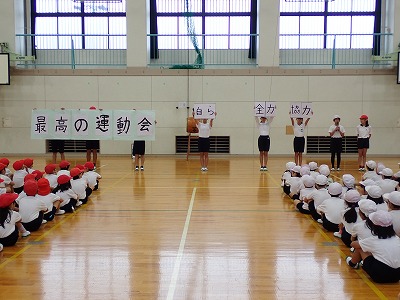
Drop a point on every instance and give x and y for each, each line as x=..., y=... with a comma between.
x=30, y=198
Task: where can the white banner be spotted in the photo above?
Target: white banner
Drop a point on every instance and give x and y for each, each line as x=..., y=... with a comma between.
x=86, y=124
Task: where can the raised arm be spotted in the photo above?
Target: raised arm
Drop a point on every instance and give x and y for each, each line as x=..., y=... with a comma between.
x=212, y=120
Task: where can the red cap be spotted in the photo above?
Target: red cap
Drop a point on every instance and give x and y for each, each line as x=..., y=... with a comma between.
x=39, y=174
x=43, y=187
x=364, y=117
x=30, y=177
x=63, y=179
x=64, y=164
x=31, y=187
x=18, y=165
x=80, y=167
x=7, y=198
x=50, y=168
x=89, y=165
x=92, y=107
x=4, y=161
x=28, y=162
x=75, y=172
x=2, y=166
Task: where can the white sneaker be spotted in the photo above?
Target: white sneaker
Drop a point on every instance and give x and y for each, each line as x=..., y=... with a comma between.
x=348, y=260
x=206, y=169
x=141, y=168
x=136, y=168
x=261, y=168
x=44, y=221
x=338, y=169
x=332, y=169
x=337, y=234
x=79, y=203
x=352, y=249
x=26, y=233
x=60, y=212
x=265, y=168
x=1, y=247
x=360, y=169
x=320, y=221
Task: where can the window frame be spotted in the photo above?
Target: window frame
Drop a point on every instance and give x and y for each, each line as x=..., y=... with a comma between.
x=325, y=14
x=82, y=15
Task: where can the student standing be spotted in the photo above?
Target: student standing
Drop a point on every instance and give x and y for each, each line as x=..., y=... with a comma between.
x=263, y=125
x=336, y=132
x=204, y=140
x=92, y=146
x=299, y=140
x=363, y=136
x=139, y=148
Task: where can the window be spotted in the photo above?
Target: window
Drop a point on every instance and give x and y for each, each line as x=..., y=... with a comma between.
x=343, y=24
x=67, y=20
x=217, y=24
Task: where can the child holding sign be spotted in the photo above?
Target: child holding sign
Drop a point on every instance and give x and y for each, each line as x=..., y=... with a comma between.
x=299, y=140
x=204, y=140
x=263, y=125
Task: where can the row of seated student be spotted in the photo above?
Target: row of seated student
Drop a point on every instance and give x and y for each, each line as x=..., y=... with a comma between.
x=364, y=215
x=30, y=198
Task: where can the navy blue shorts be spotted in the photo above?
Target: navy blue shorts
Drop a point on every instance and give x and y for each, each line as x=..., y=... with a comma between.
x=298, y=144
x=204, y=144
x=263, y=143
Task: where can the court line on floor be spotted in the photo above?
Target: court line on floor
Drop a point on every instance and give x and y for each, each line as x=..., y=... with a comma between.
x=360, y=273
x=178, y=259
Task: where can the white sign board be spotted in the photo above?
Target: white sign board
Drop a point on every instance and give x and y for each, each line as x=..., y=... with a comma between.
x=264, y=109
x=204, y=111
x=301, y=110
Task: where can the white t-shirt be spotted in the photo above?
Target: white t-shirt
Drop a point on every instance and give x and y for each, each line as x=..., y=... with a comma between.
x=29, y=208
x=48, y=200
x=384, y=250
x=91, y=177
x=63, y=172
x=264, y=127
x=363, y=132
x=360, y=230
x=79, y=187
x=66, y=196
x=336, y=134
x=18, y=178
x=9, y=225
x=349, y=226
x=332, y=209
x=52, y=178
x=298, y=129
x=204, y=129
x=6, y=181
x=396, y=221
x=371, y=175
x=319, y=196
x=295, y=184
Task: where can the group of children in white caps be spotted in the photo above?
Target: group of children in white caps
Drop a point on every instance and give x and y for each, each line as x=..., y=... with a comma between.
x=365, y=215
x=30, y=198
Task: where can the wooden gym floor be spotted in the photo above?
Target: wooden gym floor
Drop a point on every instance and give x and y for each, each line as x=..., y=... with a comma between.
x=172, y=232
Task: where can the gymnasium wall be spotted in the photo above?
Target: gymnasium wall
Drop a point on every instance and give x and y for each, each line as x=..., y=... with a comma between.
x=378, y=96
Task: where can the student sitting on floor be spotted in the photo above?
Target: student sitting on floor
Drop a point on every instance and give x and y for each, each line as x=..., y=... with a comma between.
x=380, y=253
x=287, y=174
x=331, y=208
x=375, y=194
x=91, y=176
x=31, y=209
x=19, y=176
x=69, y=199
x=360, y=230
x=51, y=175
x=315, y=198
x=309, y=187
x=79, y=185
x=51, y=200
x=393, y=201
x=293, y=185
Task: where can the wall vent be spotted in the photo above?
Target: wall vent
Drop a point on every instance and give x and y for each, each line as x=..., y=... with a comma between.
x=320, y=144
x=218, y=144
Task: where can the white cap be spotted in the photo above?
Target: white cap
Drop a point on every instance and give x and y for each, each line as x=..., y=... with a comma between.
x=371, y=164
x=308, y=181
x=335, y=189
x=324, y=170
x=313, y=165
x=305, y=170
x=379, y=167
x=367, y=206
x=396, y=175
x=374, y=191
x=296, y=169
x=393, y=197
x=336, y=117
x=352, y=196
x=381, y=218
x=348, y=180
x=290, y=165
x=321, y=180
x=386, y=172
x=367, y=182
